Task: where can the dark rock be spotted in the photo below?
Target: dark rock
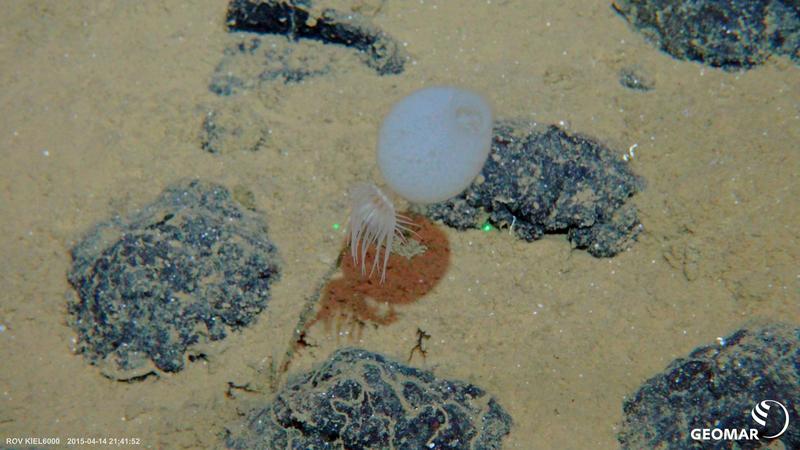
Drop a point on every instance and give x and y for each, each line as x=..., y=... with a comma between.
x=717, y=387
x=294, y=20
x=261, y=60
x=184, y=270
x=358, y=399
x=731, y=34
x=540, y=181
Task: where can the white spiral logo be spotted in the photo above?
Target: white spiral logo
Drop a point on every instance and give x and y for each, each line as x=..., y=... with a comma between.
x=760, y=412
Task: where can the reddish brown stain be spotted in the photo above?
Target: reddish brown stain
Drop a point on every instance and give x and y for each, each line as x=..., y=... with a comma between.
x=355, y=300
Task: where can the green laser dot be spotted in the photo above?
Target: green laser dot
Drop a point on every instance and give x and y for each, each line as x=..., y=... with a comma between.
x=336, y=226
x=487, y=227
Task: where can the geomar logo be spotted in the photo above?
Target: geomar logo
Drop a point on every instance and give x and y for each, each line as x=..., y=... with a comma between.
x=760, y=413
x=763, y=415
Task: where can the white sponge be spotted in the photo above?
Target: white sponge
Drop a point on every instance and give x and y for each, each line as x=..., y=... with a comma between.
x=434, y=142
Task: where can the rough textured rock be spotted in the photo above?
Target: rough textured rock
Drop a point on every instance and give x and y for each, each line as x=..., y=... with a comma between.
x=731, y=34
x=295, y=20
x=540, y=181
x=359, y=399
x=717, y=386
x=183, y=270
x=275, y=45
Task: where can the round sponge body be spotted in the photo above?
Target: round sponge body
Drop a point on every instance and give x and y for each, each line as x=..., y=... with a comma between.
x=434, y=142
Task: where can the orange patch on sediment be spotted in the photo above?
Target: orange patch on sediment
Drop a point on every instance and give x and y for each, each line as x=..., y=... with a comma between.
x=357, y=299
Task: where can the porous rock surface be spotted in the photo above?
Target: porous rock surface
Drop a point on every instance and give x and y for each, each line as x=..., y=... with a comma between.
x=362, y=400
x=731, y=34
x=541, y=180
x=184, y=270
x=717, y=386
